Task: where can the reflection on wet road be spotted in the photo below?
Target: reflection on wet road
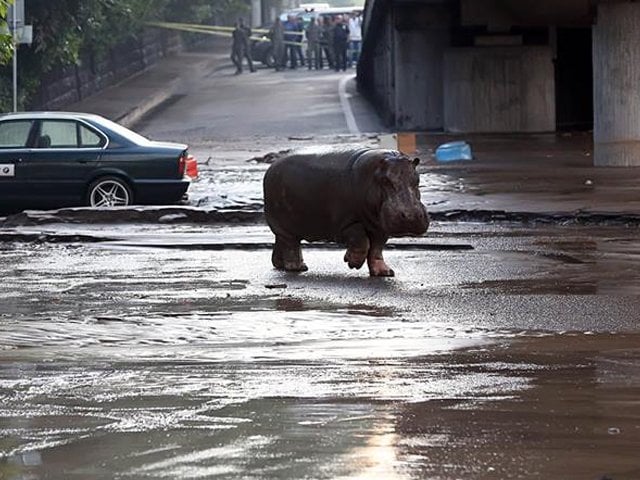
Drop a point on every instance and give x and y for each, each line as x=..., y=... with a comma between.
x=516, y=359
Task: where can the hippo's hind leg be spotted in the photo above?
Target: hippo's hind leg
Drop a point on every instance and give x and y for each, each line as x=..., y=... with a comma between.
x=276, y=256
x=377, y=266
x=287, y=255
x=357, y=241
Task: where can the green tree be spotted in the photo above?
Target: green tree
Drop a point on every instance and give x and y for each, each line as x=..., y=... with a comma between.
x=6, y=52
x=198, y=11
x=6, y=44
x=62, y=29
x=66, y=31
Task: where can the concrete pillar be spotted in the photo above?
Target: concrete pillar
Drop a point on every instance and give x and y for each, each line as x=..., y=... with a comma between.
x=256, y=13
x=418, y=71
x=421, y=37
x=376, y=72
x=616, y=78
x=499, y=90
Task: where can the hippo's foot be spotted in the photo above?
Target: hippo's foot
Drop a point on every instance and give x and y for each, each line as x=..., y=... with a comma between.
x=378, y=268
x=280, y=264
x=288, y=257
x=277, y=260
x=355, y=258
x=295, y=267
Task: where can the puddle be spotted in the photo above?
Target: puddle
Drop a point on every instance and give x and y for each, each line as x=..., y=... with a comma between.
x=137, y=362
x=535, y=406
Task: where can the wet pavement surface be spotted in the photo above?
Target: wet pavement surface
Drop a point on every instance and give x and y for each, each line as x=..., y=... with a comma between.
x=153, y=342
x=515, y=358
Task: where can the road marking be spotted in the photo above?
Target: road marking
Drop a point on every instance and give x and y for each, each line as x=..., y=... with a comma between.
x=346, y=106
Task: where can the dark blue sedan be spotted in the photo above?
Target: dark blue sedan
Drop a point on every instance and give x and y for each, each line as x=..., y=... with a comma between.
x=56, y=159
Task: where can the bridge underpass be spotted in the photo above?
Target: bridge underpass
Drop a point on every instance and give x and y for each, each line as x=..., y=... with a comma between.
x=507, y=66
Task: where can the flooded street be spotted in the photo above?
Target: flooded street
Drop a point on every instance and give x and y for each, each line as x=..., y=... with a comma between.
x=514, y=357
x=159, y=342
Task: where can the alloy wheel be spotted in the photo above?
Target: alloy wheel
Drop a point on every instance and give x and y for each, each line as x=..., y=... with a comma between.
x=109, y=193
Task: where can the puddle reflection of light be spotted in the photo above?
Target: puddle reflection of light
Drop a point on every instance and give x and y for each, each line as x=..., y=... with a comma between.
x=378, y=459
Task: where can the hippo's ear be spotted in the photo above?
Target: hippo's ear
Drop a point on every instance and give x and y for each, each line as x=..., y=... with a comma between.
x=416, y=161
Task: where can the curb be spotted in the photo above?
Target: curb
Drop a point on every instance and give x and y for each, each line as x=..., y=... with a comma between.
x=134, y=115
x=188, y=214
x=525, y=218
x=138, y=112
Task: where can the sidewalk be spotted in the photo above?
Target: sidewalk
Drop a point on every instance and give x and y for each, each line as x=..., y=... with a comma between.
x=549, y=176
x=130, y=100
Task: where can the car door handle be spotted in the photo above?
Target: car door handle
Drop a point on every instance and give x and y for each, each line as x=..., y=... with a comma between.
x=83, y=161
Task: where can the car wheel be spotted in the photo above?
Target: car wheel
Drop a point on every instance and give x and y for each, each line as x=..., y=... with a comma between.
x=270, y=59
x=109, y=192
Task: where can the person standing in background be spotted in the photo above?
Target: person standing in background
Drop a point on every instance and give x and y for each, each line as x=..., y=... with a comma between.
x=240, y=48
x=247, y=45
x=340, y=43
x=313, y=45
x=299, y=39
x=291, y=37
x=355, y=37
x=276, y=34
x=326, y=40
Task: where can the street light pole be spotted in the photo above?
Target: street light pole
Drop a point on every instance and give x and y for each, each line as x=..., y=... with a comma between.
x=14, y=43
x=256, y=13
x=15, y=61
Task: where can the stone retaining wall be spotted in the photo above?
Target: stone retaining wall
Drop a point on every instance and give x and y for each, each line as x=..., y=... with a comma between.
x=71, y=84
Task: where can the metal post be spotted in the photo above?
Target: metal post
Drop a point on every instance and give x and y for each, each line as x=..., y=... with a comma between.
x=15, y=60
x=256, y=13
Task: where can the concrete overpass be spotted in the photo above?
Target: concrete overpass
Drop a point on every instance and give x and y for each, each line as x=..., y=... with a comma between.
x=470, y=66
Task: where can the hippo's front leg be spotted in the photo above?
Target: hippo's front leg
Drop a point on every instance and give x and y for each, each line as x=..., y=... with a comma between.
x=377, y=266
x=287, y=255
x=357, y=241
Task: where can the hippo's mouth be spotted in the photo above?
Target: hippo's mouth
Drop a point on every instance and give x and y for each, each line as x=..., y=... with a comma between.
x=414, y=228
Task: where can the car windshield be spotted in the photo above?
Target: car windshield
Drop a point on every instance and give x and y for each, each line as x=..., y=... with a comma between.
x=122, y=131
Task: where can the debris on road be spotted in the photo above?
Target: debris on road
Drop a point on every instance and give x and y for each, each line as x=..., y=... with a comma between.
x=454, y=151
x=172, y=217
x=162, y=214
x=301, y=137
x=270, y=157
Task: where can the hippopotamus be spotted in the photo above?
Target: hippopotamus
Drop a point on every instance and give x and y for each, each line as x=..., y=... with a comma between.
x=358, y=198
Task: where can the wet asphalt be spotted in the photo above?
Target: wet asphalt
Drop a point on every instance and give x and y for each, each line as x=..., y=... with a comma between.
x=153, y=343
x=132, y=360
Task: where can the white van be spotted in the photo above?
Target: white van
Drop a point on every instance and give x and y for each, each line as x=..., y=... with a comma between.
x=308, y=13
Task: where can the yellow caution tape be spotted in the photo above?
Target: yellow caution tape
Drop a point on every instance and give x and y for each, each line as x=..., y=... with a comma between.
x=214, y=28
x=218, y=30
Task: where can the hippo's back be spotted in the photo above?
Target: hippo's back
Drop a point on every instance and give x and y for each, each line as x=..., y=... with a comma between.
x=310, y=195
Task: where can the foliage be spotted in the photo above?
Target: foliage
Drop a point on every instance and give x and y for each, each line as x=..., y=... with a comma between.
x=65, y=31
x=199, y=11
x=6, y=45
x=62, y=29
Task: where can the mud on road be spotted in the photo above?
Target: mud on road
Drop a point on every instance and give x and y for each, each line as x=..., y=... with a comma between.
x=515, y=358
